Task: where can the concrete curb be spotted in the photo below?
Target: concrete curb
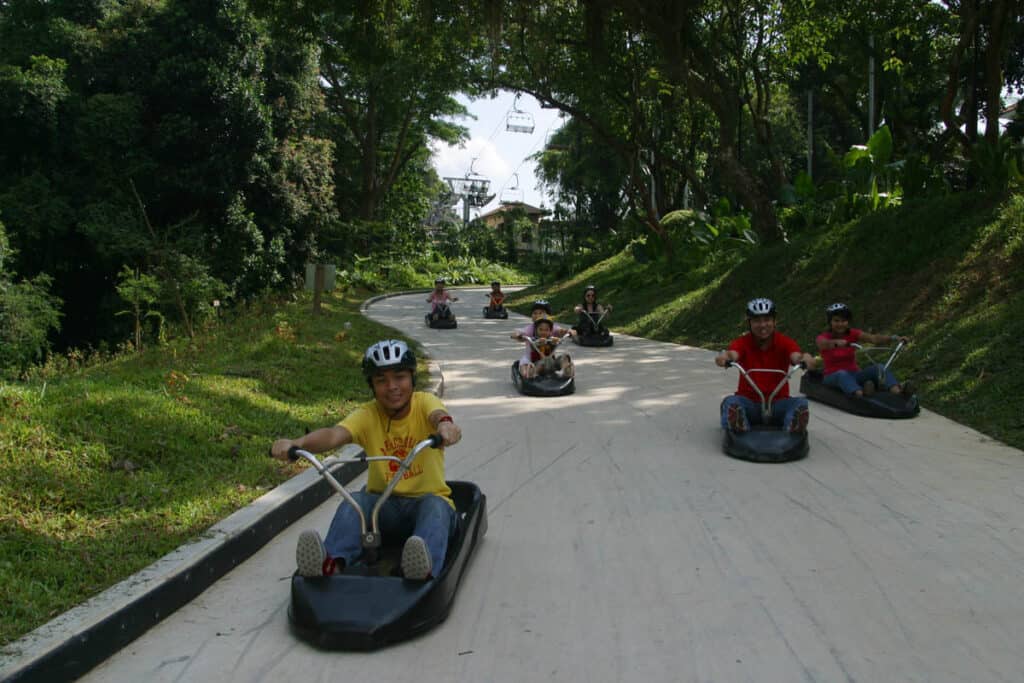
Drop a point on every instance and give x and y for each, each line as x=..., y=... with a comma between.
x=72, y=644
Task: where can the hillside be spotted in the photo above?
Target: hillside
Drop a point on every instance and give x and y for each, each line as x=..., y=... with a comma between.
x=949, y=272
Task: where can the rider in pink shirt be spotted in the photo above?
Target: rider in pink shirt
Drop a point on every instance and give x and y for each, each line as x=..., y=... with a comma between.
x=439, y=296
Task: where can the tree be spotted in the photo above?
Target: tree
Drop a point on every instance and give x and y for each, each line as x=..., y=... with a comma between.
x=203, y=106
x=28, y=313
x=140, y=291
x=390, y=70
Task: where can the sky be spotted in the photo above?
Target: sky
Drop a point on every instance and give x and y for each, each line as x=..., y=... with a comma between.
x=500, y=155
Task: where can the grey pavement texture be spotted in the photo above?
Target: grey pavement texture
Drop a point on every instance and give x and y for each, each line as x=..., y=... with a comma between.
x=623, y=545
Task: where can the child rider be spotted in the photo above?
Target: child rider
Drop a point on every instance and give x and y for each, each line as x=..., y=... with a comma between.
x=496, y=298
x=391, y=424
x=440, y=297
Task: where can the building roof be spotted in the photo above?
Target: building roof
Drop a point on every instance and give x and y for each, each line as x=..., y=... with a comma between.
x=505, y=207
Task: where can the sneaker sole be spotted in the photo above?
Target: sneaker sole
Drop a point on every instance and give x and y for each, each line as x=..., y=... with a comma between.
x=415, y=559
x=310, y=554
x=736, y=421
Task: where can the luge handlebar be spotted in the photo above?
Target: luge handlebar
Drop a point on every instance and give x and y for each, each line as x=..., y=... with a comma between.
x=766, y=402
x=371, y=538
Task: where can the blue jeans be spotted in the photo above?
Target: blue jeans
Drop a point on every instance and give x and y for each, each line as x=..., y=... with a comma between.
x=429, y=517
x=783, y=410
x=850, y=382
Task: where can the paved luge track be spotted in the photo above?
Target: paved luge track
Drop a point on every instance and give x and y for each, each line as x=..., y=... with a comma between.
x=624, y=546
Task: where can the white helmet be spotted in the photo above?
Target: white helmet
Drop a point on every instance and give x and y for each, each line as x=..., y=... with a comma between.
x=760, y=306
x=840, y=309
x=390, y=354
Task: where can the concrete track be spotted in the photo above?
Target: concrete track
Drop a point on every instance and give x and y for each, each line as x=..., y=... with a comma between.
x=624, y=546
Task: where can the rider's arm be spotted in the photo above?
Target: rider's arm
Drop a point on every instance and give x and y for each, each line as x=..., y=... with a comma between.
x=824, y=342
x=445, y=426
x=796, y=357
x=883, y=338
x=318, y=441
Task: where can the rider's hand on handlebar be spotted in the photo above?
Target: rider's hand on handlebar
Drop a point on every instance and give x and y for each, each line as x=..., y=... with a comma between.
x=279, y=449
x=450, y=432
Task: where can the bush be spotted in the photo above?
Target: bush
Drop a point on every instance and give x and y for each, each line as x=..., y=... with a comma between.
x=28, y=313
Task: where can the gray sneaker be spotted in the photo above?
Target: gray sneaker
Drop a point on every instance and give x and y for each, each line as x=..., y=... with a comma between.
x=310, y=554
x=415, y=559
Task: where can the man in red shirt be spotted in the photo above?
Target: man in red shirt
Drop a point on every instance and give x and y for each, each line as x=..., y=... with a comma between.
x=763, y=347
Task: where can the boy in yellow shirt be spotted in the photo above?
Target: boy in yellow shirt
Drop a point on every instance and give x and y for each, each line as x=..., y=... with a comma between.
x=391, y=424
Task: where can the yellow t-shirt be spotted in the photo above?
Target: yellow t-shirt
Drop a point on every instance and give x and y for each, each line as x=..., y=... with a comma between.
x=372, y=429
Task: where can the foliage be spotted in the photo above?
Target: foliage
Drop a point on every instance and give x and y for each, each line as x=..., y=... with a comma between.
x=201, y=107
x=389, y=78
x=696, y=235
x=140, y=291
x=997, y=164
x=414, y=272
x=28, y=313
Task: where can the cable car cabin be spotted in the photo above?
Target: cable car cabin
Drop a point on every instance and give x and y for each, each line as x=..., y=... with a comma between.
x=519, y=122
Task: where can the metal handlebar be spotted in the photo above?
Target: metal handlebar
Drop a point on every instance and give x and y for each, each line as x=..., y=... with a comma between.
x=766, y=403
x=596, y=323
x=371, y=538
x=554, y=341
x=892, y=356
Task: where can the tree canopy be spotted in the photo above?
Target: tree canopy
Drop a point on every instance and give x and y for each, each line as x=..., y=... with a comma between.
x=217, y=148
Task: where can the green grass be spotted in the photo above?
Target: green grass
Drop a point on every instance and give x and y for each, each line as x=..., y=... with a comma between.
x=948, y=272
x=105, y=469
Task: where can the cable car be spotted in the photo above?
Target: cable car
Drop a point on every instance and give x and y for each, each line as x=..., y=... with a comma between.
x=519, y=121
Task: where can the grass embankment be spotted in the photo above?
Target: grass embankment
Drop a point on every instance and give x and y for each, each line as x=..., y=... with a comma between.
x=947, y=272
x=106, y=469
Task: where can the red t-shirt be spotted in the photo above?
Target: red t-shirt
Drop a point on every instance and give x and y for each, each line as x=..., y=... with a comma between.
x=843, y=357
x=775, y=357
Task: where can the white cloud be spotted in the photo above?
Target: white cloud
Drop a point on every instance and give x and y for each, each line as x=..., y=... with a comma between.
x=455, y=161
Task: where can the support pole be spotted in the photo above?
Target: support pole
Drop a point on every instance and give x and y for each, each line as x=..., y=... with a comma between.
x=318, y=287
x=810, y=132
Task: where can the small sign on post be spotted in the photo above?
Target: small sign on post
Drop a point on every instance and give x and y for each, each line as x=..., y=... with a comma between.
x=320, y=277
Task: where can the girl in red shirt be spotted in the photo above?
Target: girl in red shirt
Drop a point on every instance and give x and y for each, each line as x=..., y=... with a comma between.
x=840, y=357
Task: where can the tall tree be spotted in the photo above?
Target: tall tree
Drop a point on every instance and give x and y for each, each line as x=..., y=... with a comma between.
x=390, y=71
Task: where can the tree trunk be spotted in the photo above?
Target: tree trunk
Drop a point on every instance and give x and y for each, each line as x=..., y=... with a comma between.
x=318, y=287
x=995, y=57
x=763, y=218
x=368, y=202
